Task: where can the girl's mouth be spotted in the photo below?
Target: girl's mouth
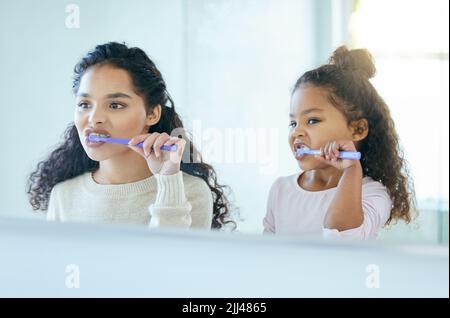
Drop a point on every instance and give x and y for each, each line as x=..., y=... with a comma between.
x=297, y=147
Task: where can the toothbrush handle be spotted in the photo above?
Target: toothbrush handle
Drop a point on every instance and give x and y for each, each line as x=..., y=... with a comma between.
x=125, y=142
x=352, y=155
x=163, y=147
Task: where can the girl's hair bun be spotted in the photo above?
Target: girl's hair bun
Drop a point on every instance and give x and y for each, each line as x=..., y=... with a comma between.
x=358, y=60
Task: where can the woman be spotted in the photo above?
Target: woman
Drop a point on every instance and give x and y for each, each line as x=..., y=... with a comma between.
x=120, y=93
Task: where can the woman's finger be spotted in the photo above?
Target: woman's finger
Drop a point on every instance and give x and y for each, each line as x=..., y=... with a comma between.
x=149, y=144
x=161, y=140
x=176, y=156
x=135, y=140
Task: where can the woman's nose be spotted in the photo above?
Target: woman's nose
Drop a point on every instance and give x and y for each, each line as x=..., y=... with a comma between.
x=97, y=116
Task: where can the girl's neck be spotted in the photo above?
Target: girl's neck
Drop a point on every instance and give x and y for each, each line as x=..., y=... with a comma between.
x=319, y=179
x=127, y=168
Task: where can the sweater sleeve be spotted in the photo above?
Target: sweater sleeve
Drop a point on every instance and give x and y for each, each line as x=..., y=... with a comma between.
x=171, y=207
x=376, y=205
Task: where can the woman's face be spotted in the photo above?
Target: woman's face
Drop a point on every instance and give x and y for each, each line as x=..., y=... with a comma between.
x=106, y=103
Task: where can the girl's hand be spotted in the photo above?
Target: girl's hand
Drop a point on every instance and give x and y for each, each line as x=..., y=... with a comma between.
x=159, y=161
x=330, y=153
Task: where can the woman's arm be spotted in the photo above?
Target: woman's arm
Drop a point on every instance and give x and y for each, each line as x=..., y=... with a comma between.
x=171, y=207
x=182, y=202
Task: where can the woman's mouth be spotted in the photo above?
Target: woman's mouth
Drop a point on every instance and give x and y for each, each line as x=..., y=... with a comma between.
x=97, y=132
x=93, y=144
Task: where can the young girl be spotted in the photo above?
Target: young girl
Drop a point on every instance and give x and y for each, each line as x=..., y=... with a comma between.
x=335, y=108
x=120, y=92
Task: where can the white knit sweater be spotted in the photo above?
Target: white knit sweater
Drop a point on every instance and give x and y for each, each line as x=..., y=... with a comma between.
x=179, y=200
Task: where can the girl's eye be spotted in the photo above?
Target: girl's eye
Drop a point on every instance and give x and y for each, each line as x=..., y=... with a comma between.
x=313, y=121
x=292, y=124
x=116, y=106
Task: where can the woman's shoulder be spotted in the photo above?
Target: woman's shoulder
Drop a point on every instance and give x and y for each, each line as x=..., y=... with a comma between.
x=69, y=184
x=194, y=183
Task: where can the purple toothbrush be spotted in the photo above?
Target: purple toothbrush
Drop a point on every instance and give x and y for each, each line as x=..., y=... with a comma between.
x=94, y=137
x=352, y=155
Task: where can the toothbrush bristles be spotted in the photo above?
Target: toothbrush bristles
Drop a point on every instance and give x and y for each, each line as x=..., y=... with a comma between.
x=99, y=135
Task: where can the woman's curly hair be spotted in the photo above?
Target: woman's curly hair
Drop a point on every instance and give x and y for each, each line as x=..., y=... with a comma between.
x=69, y=159
x=346, y=78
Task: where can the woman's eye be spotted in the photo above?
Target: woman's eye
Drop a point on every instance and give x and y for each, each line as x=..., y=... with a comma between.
x=292, y=124
x=116, y=106
x=312, y=121
x=83, y=105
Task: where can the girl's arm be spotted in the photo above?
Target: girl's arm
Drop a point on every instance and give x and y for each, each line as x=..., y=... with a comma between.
x=354, y=212
x=345, y=211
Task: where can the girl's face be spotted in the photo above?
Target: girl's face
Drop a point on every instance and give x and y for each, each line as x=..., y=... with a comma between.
x=313, y=122
x=106, y=103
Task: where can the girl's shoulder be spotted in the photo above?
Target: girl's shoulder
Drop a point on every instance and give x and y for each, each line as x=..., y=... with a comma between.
x=285, y=182
x=369, y=184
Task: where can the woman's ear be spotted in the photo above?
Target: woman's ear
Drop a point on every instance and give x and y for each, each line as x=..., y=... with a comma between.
x=153, y=117
x=360, y=129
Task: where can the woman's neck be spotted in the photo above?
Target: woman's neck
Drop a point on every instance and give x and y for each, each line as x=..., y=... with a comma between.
x=320, y=179
x=126, y=168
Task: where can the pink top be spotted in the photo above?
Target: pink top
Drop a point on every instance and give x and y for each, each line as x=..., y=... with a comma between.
x=293, y=210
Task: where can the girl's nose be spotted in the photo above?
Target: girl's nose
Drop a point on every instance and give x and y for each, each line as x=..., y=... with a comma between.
x=298, y=132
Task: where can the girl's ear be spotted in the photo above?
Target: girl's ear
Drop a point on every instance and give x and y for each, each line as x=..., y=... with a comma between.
x=154, y=117
x=360, y=129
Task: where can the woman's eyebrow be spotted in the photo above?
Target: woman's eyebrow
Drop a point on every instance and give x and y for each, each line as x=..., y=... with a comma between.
x=109, y=96
x=118, y=95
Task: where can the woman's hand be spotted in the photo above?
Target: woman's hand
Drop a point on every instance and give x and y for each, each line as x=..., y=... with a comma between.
x=330, y=152
x=159, y=161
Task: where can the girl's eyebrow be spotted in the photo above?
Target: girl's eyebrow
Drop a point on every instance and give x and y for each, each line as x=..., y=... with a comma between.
x=305, y=112
x=310, y=110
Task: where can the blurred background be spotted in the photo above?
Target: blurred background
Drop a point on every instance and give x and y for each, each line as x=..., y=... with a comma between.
x=230, y=66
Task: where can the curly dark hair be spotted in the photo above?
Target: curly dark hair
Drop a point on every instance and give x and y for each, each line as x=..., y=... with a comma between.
x=69, y=159
x=346, y=78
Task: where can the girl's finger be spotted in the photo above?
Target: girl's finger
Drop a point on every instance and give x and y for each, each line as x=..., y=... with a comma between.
x=327, y=150
x=335, y=150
